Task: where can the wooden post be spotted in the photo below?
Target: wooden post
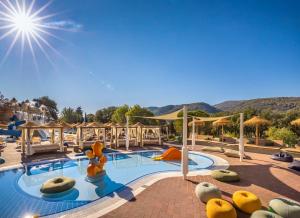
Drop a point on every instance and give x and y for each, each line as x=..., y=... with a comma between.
x=184, y=152
x=193, y=134
x=257, y=135
x=117, y=138
x=241, y=141
x=167, y=128
x=23, y=140
x=52, y=136
x=159, y=137
x=136, y=136
x=111, y=136
x=80, y=136
x=222, y=133
x=142, y=137
x=28, y=141
x=127, y=133
x=61, y=139
x=104, y=138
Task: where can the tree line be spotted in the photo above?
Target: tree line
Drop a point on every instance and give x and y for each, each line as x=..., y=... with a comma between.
x=280, y=127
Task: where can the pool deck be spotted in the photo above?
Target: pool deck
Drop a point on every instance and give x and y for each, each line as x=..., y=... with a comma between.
x=174, y=197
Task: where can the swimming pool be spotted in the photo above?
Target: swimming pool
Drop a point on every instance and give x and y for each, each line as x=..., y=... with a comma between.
x=21, y=186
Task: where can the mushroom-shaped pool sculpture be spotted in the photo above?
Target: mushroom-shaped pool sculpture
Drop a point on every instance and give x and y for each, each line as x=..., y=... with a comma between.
x=97, y=160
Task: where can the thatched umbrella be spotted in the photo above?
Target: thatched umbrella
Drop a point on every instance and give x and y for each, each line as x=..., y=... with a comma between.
x=222, y=122
x=296, y=122
x=257, y=122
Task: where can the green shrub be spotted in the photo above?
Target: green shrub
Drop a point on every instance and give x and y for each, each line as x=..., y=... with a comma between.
x=178, y=139
x=231, y=134
x=171, y=138
x=286, y=135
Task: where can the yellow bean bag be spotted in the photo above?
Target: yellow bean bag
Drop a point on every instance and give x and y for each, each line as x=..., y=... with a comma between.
x=218, y=208
x=246, y=201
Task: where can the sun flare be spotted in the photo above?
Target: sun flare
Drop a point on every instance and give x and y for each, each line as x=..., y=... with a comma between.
x=25, y=22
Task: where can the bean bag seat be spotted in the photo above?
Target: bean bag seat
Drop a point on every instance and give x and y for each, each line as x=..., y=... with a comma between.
x=282, y=156
x=246, y=201
x=264, y=214
x=285, y=207
x=212, y=149
x=295, y=165
x=206, y=191
x=231, y=153
x=218, y=208
x=225, y=175
x=57, y=185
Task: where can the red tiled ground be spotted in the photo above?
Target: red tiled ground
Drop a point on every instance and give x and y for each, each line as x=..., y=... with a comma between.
x=174, y=197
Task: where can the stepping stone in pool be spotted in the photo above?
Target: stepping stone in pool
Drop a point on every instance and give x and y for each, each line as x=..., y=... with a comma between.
x=57, y=185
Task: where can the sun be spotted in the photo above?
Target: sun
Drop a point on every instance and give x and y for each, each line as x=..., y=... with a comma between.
x=26, y=23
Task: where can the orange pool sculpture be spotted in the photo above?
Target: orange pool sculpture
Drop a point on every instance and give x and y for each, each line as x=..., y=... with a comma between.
x=170, y=154
x=97, y=160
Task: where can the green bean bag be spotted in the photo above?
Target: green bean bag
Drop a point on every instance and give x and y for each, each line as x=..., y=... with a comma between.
x=206, y=191
x=57, y=185
x=264, y=214
x=225, y=175
x=231, y=153
x=212, y=149
x=285, y=207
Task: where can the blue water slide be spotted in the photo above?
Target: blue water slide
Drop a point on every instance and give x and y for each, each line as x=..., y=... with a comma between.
x=15, y=124
x=16, y=133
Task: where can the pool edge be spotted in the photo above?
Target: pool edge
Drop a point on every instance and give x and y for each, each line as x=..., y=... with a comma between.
x=101, y=206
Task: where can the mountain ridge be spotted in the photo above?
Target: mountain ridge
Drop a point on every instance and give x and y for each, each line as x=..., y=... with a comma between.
x=192, y=106
x=279, y=104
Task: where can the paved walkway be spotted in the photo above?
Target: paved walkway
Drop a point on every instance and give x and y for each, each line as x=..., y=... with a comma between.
x=174, y=197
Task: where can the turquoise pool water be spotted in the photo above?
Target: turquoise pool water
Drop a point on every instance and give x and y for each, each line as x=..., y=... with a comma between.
x=21, y=186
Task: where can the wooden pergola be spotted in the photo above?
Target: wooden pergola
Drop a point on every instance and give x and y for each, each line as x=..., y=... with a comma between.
x=29, y=127
x=95, y=126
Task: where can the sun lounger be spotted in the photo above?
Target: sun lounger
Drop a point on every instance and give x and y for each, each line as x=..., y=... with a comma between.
x=42, y=148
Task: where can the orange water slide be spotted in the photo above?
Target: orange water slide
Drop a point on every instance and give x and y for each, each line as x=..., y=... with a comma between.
x=170, y=154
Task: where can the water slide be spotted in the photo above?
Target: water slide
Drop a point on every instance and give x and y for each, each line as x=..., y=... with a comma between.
x=169, y=155
x=12, y=128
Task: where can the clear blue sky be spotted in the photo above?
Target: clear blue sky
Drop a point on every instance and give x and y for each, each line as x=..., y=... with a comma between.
x=161, y=52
